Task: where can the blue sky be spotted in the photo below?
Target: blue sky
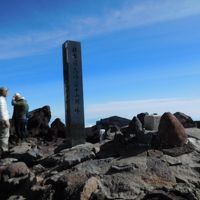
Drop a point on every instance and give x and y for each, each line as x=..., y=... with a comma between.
x=138, y=55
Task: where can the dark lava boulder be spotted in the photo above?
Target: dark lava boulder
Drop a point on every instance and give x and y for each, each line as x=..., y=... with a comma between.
x=185, y=120
x=141, y=117
x=93, y=134
x=58, y=128
x=105, y=128
x=26, y=152
x=38, y=121
x=112, y=121
x=171, y=132
x=198, y=124
x=135, y=126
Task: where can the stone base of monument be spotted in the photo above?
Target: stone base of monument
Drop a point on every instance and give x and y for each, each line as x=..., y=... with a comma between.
x=151, y=122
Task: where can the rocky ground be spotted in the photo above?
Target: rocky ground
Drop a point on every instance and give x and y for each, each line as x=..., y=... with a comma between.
x=118, y=167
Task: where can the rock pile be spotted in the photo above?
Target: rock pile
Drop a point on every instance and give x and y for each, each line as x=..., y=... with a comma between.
x=118, y=167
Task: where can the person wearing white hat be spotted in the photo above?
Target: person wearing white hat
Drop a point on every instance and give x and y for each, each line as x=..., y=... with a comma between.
x=20, y=115
x=4, y=120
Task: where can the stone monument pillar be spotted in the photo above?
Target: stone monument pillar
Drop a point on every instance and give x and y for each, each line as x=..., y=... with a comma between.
x=73, y=90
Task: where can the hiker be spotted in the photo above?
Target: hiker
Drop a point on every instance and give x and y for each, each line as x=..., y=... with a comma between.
x=20, y=114
x=4, y=120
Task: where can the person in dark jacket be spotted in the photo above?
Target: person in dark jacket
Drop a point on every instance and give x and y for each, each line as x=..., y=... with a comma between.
x=20, y=114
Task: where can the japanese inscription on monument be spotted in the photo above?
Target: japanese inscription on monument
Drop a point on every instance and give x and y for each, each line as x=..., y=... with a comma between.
x=73, y=88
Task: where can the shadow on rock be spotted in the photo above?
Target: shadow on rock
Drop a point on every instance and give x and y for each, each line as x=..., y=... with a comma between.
x=120, y=147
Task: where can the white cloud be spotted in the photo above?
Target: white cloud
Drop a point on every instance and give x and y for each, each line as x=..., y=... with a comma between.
x=129, y=16
x=129, y=109
x=147, y=12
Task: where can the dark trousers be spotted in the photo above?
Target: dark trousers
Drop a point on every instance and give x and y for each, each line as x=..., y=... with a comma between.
x=20, y=128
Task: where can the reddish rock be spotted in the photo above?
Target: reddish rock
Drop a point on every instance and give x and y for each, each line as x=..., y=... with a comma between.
x=14, y=170
x=17, y=169
x=171, y=132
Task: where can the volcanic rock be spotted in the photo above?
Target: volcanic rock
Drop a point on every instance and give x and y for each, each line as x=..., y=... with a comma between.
x=111, y=125
x=89, y=188
x=16, y=170
x=93, y=134
x=112, y=121
x=67, y=158
x=198, y=124
x=141, y=117
x=58, y=128
x=14, y=177
x=185, y=120
x=171, y=132
x=26, y=152
x=41, y=192
x=38, y=122
x=67, y=184
x=114, y=168
x=135, y=126
x=16, y=197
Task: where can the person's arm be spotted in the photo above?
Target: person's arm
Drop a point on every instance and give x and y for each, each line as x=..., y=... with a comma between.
x=27, y=109
x=7, y=123
x=13, y=102
x=1, y=108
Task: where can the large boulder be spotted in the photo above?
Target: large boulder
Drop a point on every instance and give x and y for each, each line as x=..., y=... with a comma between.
x=38, y=122
x=171, y=132
x=26, y=152
x=185, y=120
